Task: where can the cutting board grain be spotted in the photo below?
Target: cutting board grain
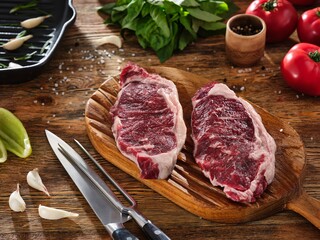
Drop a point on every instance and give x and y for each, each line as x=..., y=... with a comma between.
x=187, y=187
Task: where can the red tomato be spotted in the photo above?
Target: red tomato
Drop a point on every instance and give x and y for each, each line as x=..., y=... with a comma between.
x=309, y=26
x=302, y=2
x=280, y=16
x=301, y=68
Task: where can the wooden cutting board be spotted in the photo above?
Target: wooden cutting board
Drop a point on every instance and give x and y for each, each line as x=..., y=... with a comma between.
x=187, y=187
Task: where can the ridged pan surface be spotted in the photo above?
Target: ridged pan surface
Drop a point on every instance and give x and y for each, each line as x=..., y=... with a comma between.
x=41, y=46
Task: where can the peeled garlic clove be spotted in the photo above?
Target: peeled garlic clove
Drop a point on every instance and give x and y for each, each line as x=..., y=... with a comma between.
x=34, y=180
x=13, y=65
x=15, y=43
x=33, y=22
x=54, y=213
x=16, y=202
x=115, y=40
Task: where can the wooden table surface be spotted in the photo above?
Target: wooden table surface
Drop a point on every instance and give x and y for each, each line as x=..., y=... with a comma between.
x=56, y=100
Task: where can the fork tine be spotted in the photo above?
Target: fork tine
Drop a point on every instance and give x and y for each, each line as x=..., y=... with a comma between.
x=114, y=183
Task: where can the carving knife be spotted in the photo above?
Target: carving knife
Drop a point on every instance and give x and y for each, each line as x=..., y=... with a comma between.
x=111, y=218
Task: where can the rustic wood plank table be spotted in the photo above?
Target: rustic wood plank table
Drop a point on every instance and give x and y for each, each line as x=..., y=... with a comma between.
x=56, y=100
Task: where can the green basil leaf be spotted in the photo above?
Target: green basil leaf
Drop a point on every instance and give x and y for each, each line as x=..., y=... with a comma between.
x=203, y=15
x=174, y=18
x=196, y=23
x=187, y=23
x=145, y=10
x=169, y=25
x=132, y=25
x=166, y=52
x=107, y=8
x=190, y=3
x=133, y=11
x=120, y=8
x=122, y=2
x=214, y=26
x=117, y=16
x=232, y=8
x=185, y=39
x=216, y=7
x=171, y=8
x=159, y=17
x=143, y=42
x=148, y=29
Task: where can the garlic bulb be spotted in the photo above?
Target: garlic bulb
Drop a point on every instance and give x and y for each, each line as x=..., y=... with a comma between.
x=33, y=22
x=115, y=40
x=15, y=43
x=54, y=213
x=34, y=180
x=16, y=202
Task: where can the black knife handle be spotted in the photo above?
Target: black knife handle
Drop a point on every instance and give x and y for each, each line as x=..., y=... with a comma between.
x=153, y=232
x=123, y=234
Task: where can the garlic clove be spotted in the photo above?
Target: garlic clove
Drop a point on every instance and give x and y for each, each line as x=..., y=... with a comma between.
x=54, y=213
x=34, y=180
x=15, y=43
x=115, y=40
x=16, y=202
x=33, y=22
x=13, y=65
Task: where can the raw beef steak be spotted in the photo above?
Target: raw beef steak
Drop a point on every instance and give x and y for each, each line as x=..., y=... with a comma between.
x=148, y=123
x=232, y=146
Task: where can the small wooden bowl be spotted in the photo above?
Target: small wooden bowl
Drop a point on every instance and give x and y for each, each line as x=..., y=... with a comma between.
x=245, y=47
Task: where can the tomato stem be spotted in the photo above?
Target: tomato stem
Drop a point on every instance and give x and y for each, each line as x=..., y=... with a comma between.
x=315, y=56
x=318, y=12
x=270, y=5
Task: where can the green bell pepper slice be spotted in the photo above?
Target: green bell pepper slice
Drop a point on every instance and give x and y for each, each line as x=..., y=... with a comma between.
x=13, y=134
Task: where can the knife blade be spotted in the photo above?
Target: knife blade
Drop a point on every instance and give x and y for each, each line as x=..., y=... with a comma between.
x=111, y=218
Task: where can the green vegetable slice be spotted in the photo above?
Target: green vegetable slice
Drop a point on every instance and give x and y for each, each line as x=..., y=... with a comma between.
x=3, y=153
x=13, y=134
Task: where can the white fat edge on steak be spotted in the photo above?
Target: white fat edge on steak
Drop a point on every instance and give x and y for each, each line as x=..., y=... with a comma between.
x=263, y=138
x=172, y=99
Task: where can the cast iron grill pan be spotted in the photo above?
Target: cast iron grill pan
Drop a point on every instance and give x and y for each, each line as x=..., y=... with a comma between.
x=45, y=39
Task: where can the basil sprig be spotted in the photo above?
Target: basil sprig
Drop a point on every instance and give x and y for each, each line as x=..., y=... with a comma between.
x=167, y=26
